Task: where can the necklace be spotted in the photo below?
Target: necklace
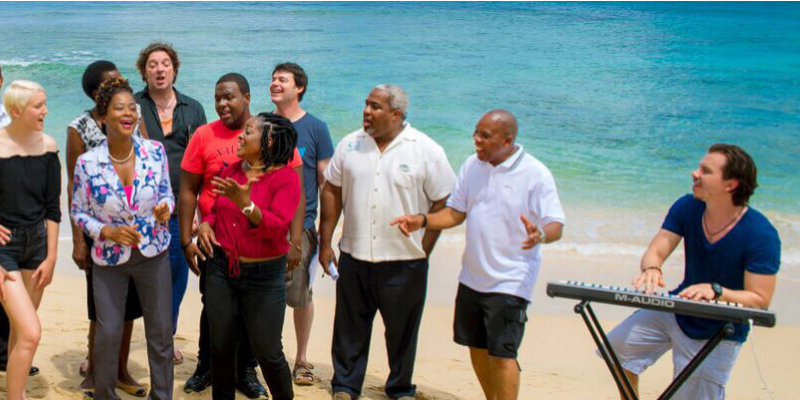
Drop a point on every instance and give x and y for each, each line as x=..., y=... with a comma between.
x=164, y=108
x=708, y=231
x=248, y=166
x=114, y=160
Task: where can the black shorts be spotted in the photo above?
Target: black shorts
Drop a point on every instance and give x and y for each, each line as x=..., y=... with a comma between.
x=27, y=248
x=491, y=321
x=133, y=308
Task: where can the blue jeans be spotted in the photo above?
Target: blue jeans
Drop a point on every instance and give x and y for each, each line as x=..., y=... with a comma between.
x=180, y=270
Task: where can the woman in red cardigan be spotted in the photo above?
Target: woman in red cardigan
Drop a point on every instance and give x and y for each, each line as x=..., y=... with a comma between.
x=246, y=236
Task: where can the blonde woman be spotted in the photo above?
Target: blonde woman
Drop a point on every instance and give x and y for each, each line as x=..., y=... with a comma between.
x=30, y=186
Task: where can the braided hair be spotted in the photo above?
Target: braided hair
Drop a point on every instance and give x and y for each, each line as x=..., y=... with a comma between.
x=284, y=139
x=107, y=90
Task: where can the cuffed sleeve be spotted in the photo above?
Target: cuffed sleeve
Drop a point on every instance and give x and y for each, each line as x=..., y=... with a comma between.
x=164, y=187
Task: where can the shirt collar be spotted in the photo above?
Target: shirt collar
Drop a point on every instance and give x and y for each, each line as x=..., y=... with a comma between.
x=513, y=161
x=180, y=98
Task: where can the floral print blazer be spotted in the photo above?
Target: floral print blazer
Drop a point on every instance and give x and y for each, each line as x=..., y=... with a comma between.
x=99, y=199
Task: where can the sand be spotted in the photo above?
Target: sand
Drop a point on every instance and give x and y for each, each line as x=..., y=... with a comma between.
x=556, y=356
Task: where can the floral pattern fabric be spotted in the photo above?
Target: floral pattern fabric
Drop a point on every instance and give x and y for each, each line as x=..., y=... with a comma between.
x=91, y=134
x=99, y=199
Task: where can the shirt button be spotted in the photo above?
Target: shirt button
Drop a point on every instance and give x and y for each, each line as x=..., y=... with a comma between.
x=130, y=218
x=374, y=237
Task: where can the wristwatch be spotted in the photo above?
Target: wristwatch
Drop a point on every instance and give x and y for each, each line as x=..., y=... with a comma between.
x=717, y=288
x=249, y=209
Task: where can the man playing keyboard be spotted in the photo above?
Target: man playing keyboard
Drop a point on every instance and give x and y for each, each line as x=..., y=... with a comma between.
x=732, y=254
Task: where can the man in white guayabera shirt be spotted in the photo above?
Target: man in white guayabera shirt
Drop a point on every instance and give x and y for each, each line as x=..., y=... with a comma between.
x=386, y=169
x=511, y=206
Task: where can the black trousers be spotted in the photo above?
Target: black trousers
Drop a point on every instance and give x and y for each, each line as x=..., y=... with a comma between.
x=244, y=355
x=395, y=288
x=253, y=301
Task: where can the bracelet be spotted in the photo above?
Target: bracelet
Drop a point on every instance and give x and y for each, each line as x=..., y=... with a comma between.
x=424, y=220
x=184, y=246
x=652, y=267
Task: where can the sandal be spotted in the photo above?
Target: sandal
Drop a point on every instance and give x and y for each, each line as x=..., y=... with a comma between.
x=302, y=375
x=177, y=357
x=133, y=390
x=84, y=368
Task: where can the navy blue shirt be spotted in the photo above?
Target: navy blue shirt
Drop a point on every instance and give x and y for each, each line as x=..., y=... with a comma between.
x=314, y=144
x=751, y=245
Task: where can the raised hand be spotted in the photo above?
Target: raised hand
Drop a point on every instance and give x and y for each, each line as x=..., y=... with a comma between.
x=534, y=235
x=161, y=212
x=408, y=223
x=239, y=194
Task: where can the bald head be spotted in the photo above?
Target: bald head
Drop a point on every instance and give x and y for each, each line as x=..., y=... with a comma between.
x=502, y=120
x=494, y=136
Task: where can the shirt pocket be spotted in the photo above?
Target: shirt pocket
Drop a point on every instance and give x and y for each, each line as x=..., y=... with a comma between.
x=405, y=174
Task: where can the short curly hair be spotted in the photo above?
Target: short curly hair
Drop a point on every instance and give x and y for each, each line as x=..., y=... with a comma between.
x=141, y=62
x=106, y=92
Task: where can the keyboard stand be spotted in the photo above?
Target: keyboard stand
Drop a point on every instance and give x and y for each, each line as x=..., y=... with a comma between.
x=612, y=362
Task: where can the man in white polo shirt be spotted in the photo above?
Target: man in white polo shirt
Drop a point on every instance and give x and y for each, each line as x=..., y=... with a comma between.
x=386, y=169
x=511, y=206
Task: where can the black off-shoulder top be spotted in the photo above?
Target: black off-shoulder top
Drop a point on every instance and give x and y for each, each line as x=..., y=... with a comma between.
x=30, y=189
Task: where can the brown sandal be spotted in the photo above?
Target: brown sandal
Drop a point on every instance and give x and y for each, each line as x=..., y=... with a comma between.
x=302, y=375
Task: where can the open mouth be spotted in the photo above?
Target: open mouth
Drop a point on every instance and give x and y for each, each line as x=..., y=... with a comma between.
x=127, y=124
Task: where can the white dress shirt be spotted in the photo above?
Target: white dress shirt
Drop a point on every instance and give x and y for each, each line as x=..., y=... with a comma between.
x=406, y=178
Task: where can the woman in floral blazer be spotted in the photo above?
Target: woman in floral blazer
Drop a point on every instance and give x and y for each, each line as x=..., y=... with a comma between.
x=122, y=199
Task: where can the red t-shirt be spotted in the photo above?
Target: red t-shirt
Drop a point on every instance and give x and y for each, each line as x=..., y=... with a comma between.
x=212, y=148
x=276, y=193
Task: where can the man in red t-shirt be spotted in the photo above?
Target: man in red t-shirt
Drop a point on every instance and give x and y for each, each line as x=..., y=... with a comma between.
x=212, y=148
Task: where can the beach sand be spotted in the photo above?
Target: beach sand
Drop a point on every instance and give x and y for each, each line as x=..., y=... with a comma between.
x=557, y=355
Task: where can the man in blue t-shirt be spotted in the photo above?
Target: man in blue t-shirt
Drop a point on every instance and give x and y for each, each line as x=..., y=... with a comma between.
x=732, y=254
x=289, y=84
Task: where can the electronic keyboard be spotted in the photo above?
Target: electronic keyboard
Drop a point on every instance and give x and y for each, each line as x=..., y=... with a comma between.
x=717, y=310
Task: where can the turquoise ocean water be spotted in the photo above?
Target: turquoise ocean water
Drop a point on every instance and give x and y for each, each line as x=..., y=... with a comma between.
x=620, y=100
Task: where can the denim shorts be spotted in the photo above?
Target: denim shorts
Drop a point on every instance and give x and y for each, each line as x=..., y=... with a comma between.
x=645, y=336
x=27, y=248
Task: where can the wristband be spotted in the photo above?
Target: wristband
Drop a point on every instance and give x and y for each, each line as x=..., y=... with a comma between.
x=184, y=246
x=652, y=267
x=424, y=220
